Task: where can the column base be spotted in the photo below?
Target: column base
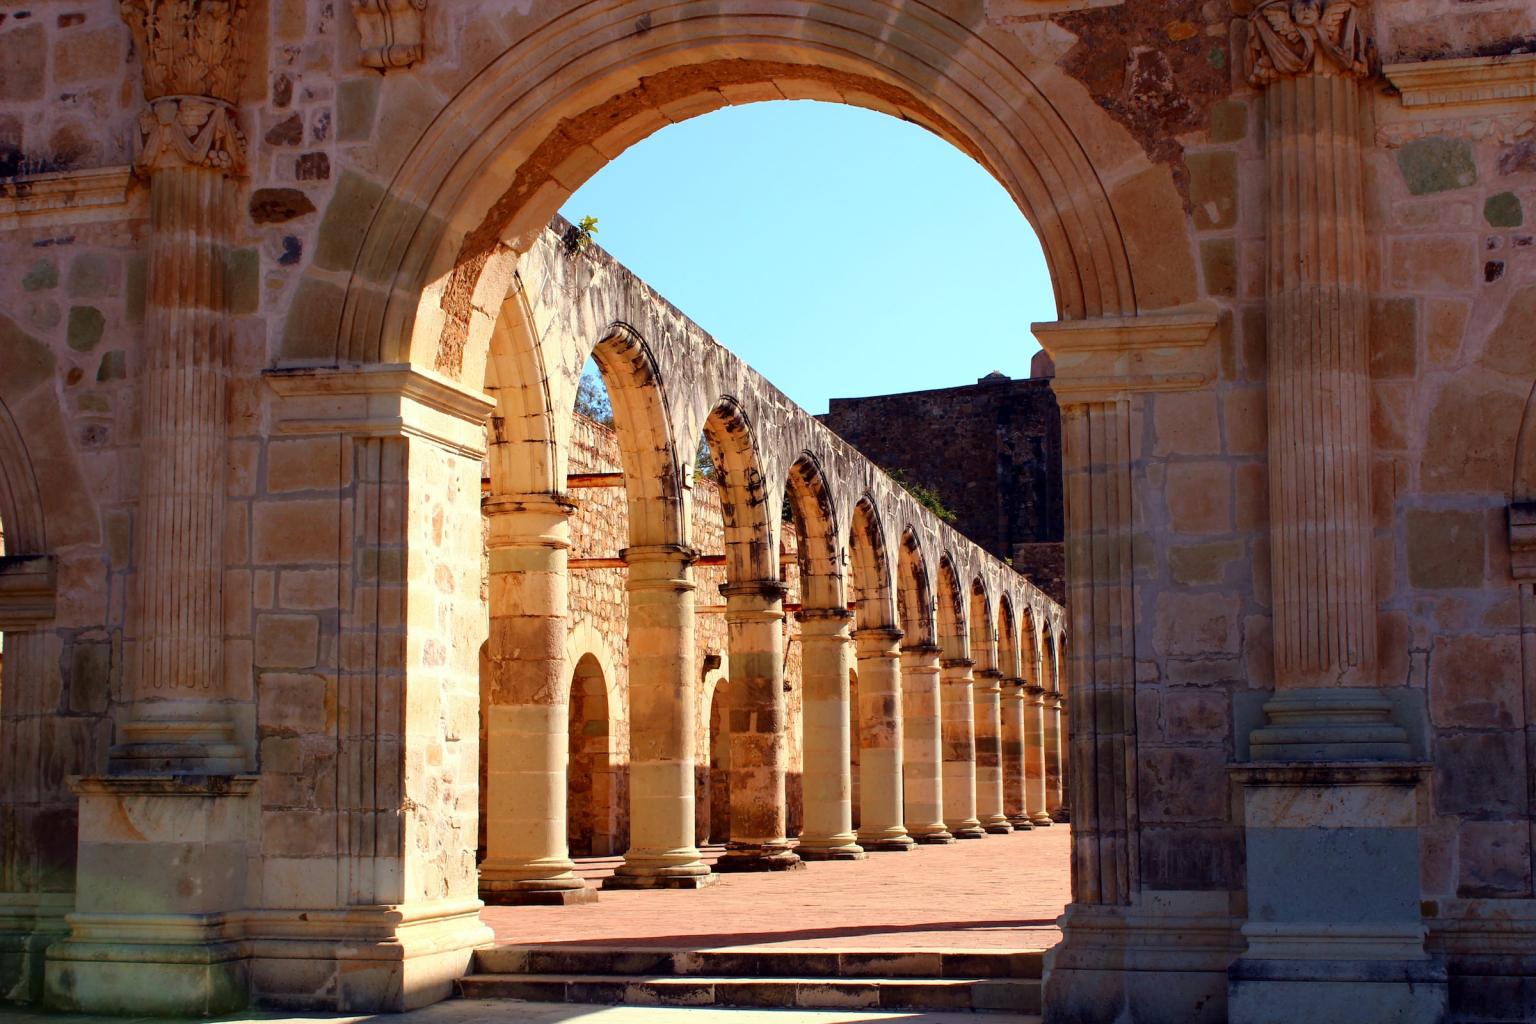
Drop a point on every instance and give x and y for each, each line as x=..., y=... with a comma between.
x=513, y=894
x=1061, y=816
x=1359, y=991
x=847, y=851
x=969, y=832
x=159, y=979
x=1042, y=820
x=1161, y=961
x=660, y=881
x=940, y=837
x=998, y=828
x=1020, y=822
x=363, y=959
x=29, y=924
x=893, y=845
x=758, y=858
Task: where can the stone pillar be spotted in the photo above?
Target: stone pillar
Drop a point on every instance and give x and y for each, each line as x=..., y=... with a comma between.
x=754, y=615
x=922, y=764
x=826, y=780
x=1034, y=756
x=881, y=825
x=527, y=858
x=175, y=803
x=959, y=730
x=1055, y=796
x=1354, y=948
x=987, y=709
x=662, y=701
x=1015, y=801
x=189, y=146
x=1104, y=367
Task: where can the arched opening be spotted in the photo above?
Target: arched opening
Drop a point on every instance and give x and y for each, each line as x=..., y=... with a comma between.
x=719, y=758
x=983, y=635
x=591, y=775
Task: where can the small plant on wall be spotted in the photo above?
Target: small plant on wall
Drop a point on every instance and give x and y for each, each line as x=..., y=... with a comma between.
x=579, y=238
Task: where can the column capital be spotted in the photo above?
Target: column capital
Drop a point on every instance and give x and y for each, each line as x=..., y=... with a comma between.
x=1107, y=358
x=878, y=641
x=767, y=590
x=921, y=649
x=523, y=521
x=659, y=567
x=957, y=663
x=1293, y=38
x=754, y=601
x=194, y=69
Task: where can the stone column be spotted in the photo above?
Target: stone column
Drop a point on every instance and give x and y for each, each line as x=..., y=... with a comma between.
x=881, y=825
x=527, y=859
x=1015, y=800
x=826, y=779
x=1332, y=739
x=662, y=697
x=189, y=147
x=922, y=764
x=175, y=800
x=1034, y=756
x=754, y=615
x=959, y=730
x=1103, y=369
x=987, y=709
x=1055, y=796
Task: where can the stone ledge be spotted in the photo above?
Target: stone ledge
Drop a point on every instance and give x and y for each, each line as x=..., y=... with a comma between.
x=1107, y=358
x=98, y=188
x=1522, y=540
x=1464, y=82
x=26, y=591
x=381, y=400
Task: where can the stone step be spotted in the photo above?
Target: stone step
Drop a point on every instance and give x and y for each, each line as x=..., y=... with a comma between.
x=1018, y=996
x=1014, y=965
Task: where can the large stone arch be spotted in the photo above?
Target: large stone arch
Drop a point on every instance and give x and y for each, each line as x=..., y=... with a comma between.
x=1523, y=487
x=423, y=283
x=816, y=528
x=954, y=621
x=872, y=567
x=914, y=594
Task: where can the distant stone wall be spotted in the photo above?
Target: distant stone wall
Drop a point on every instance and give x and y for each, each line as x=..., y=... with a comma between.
x=992, y=450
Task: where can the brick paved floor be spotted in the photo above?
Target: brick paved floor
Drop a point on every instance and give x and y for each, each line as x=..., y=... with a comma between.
x=479, y=1011
x=1002, y=892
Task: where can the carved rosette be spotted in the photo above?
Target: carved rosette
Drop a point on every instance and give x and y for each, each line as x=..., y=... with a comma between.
x=1289, y=38
x=193, y=53
x=391, y=32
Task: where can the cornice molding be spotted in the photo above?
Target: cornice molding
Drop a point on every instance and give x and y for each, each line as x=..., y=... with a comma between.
x=98, y=188
x=1471, y=81
x=1107, y=358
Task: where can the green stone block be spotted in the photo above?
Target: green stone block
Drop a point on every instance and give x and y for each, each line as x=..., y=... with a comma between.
x=1504, y=211
x=90, y=276
x=86, y=325
x=1218, y=258
x=43, y=276
x=138, y=273
x=357, y=100
x=92, y=402
x=1437, y=165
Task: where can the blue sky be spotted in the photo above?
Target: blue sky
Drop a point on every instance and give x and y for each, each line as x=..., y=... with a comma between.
x=840, y=252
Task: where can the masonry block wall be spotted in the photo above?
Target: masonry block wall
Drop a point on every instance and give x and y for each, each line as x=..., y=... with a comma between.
x=992, y=452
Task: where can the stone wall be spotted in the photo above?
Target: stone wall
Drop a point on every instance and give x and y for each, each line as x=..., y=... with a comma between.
x=992, y=452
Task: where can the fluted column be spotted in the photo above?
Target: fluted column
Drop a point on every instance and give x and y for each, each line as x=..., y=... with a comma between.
x=1034, y=756
x=662, y=700
x=1319, y=399
x=959, y=729
x=1055, y=795
x=754, y=616
x=826, y=779
x=922, y=745
x=189, y=146
x=1015, y=803
x=987, y=709
x=527, y=858
x=881, y=823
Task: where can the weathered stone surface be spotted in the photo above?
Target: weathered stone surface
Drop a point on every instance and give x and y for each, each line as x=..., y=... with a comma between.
x=1437, y=165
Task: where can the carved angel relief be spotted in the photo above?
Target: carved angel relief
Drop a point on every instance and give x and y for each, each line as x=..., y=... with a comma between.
x=193, y=52
x=1297, y=37
x=391, y=32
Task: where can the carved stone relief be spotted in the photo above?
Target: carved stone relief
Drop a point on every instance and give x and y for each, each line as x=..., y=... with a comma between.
x=1298, y=37
x=391, y=32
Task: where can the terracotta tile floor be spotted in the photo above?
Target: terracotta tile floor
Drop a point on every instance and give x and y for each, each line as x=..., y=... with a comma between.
x=1002, y=892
